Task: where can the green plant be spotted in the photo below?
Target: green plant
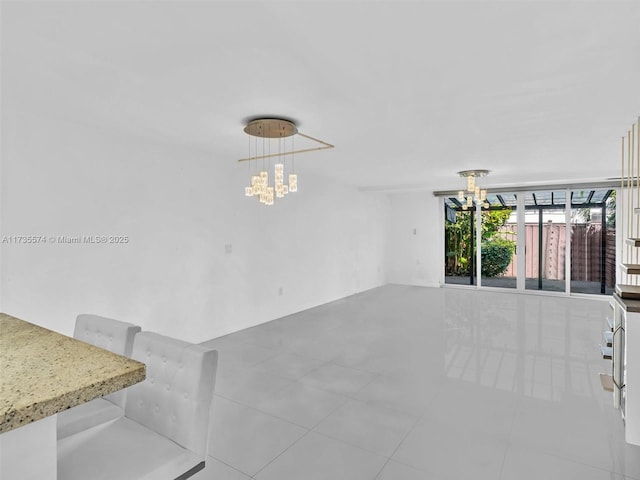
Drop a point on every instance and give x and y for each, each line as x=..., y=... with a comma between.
x=459, y=253
x=496, y=256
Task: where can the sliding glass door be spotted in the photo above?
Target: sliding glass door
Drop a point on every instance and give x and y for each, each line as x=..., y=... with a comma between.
x=460, y=246
x=495, y=235
x=546, y=243
x=545, y=240
x=498, y=262
x=593, y=241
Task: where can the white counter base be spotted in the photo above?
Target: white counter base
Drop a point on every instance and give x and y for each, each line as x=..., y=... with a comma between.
x=29, y=452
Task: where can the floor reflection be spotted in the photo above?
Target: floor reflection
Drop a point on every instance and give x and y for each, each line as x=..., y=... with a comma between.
x=412, y=383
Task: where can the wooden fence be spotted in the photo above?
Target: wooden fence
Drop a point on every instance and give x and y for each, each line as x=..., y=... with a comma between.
x=586, y=251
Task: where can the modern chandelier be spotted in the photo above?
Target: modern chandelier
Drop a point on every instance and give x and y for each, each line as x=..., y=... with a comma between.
x=272, y=141
x=474, y=194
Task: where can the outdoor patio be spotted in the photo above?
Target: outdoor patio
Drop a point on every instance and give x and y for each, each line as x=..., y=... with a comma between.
x=532, y=284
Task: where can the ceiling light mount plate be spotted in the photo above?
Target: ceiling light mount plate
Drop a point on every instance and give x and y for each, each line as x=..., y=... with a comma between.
x=474, y=173
x=271, y=128
x=278, y=127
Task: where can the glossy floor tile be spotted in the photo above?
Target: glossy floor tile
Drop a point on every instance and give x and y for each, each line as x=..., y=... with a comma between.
x=290, y=365
x=420, y=383
x=368, y=426
x=337, y=379
x=398, y=471
x=451, y=450
x=216, y=470
x=316, y=457
x=247, y=384
x=247, y=439
x=526, y=464
x=300, y=404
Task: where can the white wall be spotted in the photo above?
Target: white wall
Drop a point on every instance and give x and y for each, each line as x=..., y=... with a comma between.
x=414, y=246
x=179, y=208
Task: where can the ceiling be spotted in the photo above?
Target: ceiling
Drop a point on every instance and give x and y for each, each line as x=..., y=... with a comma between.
x=409, y=93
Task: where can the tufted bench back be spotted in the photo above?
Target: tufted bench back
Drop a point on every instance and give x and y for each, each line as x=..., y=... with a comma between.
x=110, y=334
x=175, y=398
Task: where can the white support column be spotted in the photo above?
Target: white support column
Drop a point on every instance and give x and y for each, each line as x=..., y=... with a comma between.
x=442, y=244
x=521, y=244
x=478, y=244
x=567, y=242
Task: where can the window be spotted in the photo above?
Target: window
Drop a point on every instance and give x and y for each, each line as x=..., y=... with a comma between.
x=565, y=238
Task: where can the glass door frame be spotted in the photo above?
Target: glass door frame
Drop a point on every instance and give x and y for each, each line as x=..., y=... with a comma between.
x=521, y=246
x=521, y=194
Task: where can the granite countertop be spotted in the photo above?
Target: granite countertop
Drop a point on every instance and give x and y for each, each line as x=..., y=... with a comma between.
x=43, y=372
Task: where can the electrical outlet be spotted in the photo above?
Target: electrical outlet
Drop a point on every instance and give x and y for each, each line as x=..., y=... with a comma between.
x=280, y=291
x=228, y=248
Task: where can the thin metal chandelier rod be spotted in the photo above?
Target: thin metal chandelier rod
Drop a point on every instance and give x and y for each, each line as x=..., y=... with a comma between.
x=324, y=147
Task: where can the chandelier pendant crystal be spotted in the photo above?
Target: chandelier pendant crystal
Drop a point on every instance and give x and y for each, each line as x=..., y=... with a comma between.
x=277, y=144
x=474, y=194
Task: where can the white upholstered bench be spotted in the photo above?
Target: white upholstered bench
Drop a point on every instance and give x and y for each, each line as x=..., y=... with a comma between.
x=163, y=434
x=112, y=335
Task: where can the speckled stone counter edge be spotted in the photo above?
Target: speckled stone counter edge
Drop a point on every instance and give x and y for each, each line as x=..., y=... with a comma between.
x=13, y=416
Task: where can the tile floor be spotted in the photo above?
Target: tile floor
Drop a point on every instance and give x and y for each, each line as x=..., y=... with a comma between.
x=407, y=383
